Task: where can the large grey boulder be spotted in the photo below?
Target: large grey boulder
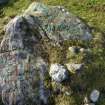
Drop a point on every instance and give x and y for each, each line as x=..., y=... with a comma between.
x=58, y=72
x=59, y=24
x=21, y=72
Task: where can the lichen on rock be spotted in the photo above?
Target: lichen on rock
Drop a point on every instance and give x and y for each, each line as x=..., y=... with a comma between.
x=59, y=24
x=20, y=78
x=22, y=68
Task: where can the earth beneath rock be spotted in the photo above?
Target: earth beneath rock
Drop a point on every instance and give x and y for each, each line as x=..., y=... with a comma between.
x=59, y=24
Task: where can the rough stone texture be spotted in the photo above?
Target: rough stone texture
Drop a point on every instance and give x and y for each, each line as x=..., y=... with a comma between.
x=59, y=24
x=76, y=50
x=74, y=68
x=22, y=32
x=58, y=72
x=21, y=73
x=94, y=96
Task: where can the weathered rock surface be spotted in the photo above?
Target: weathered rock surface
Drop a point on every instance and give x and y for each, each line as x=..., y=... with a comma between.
x=22, y=32
x=59, y=24
x=94, y=96
x=21, y=73
x=58, y=72
x=22, y=70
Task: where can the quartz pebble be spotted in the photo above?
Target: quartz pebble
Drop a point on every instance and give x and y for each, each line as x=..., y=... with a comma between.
x=58, y=72
x=90, y=104
x=94, y=96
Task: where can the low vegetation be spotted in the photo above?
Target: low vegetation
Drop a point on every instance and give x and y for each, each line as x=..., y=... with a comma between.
x=93, y=13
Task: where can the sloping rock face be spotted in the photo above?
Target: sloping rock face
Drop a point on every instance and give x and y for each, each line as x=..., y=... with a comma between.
x=22, y=70
x=59, y=24
x=21, y=73
x=21, y=33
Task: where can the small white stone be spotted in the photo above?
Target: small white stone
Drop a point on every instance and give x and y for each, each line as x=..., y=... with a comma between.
x=94, y=96
x=71, y=49
x=68, y=93
x=51, y=23
x=82, y=50
x=67, y=13
x=63, y=10
x=74, y=49
x=59, y=7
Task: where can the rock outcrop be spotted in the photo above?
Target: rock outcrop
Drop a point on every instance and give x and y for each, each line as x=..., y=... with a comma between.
x=22, y=70
x=58, y=72
x=21, y=79
x=59, y=24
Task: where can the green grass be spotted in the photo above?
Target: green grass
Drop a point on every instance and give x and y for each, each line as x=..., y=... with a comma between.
x=93, y=13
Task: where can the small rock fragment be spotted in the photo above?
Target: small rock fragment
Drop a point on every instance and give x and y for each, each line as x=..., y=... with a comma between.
x=94, y=96
x=82, y=50
x=68, y=93
x=58, y=72
x=74, y=49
